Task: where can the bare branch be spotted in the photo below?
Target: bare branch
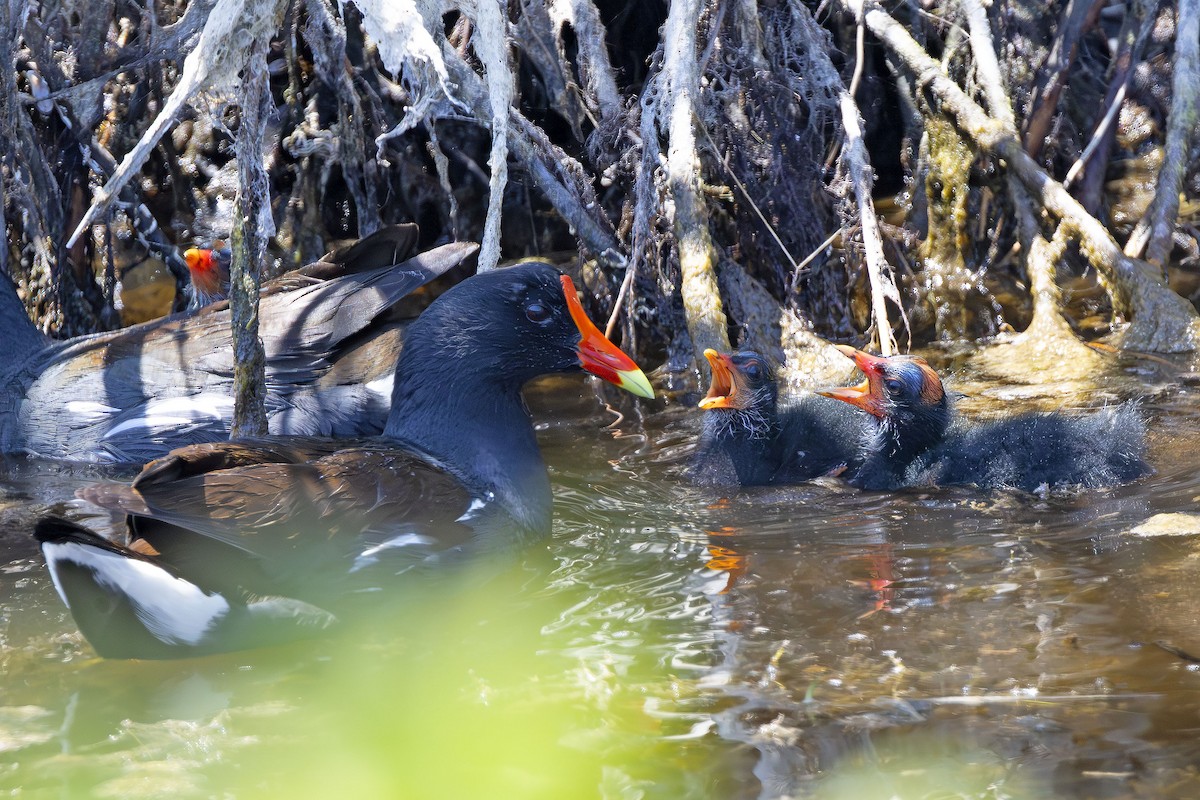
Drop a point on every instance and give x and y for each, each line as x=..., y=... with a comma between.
x=1079, y=16
x=1162, y=320
x=858, y=166
x=1181, y=131
x=490, y=39
x=252, y=226
x=680, y=78
x=597, y=71
x=987, y=67
x=221, y=50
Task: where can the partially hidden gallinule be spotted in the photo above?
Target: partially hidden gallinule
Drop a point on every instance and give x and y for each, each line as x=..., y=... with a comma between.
x=208, y=268
x=134, y=394
x=238, y=544
x=918, y=439
x=208, y=273
x=752, y=438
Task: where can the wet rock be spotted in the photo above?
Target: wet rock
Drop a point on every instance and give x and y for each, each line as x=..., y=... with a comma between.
x=23, y=726
x=1169, y=525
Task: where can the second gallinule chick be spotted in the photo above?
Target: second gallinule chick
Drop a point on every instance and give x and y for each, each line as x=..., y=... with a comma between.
x=134, y=394
x=918, y=440
x=751, y=438
x=237, y=544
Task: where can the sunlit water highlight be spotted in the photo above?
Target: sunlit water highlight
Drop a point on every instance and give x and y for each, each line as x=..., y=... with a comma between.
x=672, y=642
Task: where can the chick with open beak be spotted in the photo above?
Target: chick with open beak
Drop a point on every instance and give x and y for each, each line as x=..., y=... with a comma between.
x=752, y=437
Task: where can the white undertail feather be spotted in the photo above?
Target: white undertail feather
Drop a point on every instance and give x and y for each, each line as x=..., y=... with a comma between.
x=172, y=609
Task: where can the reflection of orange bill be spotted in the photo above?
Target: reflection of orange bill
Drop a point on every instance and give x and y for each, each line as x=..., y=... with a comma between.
x=723, y=559
x=882, y=579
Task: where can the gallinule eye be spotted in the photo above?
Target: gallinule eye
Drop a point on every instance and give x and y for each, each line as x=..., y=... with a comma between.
x=134, y=394
x=751, y=438
x=918, y=439
x=236, y=544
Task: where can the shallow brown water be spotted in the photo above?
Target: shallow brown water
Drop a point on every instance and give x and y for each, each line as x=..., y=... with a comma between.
x=672, y=642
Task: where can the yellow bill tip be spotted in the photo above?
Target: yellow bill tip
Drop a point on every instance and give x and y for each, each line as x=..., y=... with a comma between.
x=635, y=381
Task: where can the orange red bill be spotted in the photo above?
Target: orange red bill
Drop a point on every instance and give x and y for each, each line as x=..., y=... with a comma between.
x=598, y=355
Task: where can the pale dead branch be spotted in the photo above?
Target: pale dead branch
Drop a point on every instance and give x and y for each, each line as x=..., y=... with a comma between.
x=1182, y=126
x=680, y=78
x=1161, y=320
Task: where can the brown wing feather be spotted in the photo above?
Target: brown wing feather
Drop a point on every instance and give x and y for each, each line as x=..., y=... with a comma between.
x=85, y=398
x=388, y=245
x=200, y=459
x=302, y=523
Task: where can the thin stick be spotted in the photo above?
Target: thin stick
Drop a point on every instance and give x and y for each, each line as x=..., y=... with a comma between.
x=753, y=205
x=883, y=286
x=1181, y=132
x=1097, y=138
x=813, y=255
x=621, y=294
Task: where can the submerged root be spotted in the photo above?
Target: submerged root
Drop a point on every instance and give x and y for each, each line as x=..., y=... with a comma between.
x=1048, y=351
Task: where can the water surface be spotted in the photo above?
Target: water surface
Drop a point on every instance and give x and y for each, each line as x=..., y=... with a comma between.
x=669, y=642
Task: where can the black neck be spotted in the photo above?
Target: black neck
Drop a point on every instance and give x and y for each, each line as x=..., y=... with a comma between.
x=736, y=448
x=472, y=420
x=21, y=337
x=892, y=445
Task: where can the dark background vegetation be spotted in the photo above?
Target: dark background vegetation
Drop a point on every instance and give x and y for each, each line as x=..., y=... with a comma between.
x=83, y=82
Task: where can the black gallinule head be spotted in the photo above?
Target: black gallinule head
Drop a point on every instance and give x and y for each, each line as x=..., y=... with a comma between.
x=236, y=544
x=134, y=394
x=752, y=438
x=919, y=440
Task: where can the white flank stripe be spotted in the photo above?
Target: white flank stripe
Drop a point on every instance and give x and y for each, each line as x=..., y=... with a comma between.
x=381, y=386
x=173, y=610
x=88, y=411
x=369, y=556
x=476, y=506
x=176, y=411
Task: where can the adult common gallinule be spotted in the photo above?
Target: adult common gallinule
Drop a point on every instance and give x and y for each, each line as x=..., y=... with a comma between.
x=919, y=440
x=208, y=273
x=750, y=438
x=241, y=543
x=133, y=394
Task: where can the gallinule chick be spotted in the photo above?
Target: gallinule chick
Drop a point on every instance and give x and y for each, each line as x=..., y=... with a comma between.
x=750, y=438
x=240, y=543
x=208, y=268
x=918, y=440
x=134, y=394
